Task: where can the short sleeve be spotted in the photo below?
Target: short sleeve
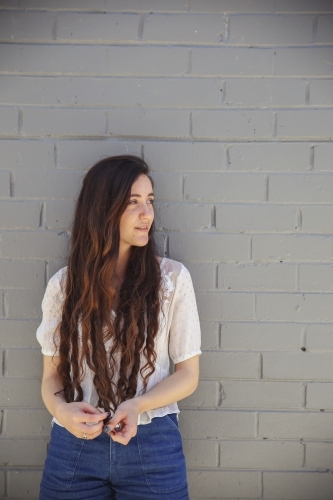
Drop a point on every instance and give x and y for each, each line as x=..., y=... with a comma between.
x=185, y=336
x=52, y=313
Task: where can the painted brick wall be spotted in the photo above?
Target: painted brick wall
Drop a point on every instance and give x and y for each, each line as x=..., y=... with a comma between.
x=231, y=102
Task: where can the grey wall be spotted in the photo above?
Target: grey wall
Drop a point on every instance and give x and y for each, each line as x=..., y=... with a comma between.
x=231, y=102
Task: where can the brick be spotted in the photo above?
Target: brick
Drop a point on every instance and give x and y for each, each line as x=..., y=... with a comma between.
x=160, y=241
x=33, y=244
x=148, y=122
x=22, y=274
x=184, y=156
x=297, y=486
x=231, y=6
x=26, y=154
x=321, y=91
x=317, y=219
x=232, y=123
x=98, y=27
x=22, y=393
x=23, y=452
x=325, y=29
x=24, y=484
x=182, y=216
x=55, y=183
x=24, y=303
x=304, y=123
x=261, y=455
x=203, y=275
x=167, y=186
x=92, y=151
x=239, y=365
x=260, y=336
x=261, y=394
x=307, y=188
x=213, y=484
x=225, y=306
x=18, y=333
x=182, y=28
x=255, y=336
x=94, y=60
x=69, y=122
x=201, y=453
x=16, y=423
x=264, y=91
x=216, y=424
x=62, y=4
x=304, y=61
x=278, y=157
x=145, y=92
x=192, y=246
x=263, y=217
x=316, y=277
x=256, y=276
x=19, y=214
x=270, y=30
x=59, y=215
x=4, y=186
x=224, y=61
x=20, y=25
x=319, y=336
x=287, y=425
x=8, y=121
x=54, y=266
x=303, y=6
x=319, y=395
x=323, y=156
x=225, y=187
x=205, y=396
x=301, y=365
x=209, y=334
x=293, y=247
x=319, y=455
x=24, y=363
x=295, y=307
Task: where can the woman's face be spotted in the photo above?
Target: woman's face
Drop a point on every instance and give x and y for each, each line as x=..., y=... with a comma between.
x=138, y=216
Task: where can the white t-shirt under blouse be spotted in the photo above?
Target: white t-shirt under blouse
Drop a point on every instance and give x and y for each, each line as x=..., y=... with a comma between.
x=178, y=337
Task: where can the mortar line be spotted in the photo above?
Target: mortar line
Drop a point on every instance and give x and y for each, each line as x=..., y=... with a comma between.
x=189, y=61
x=266, y=187
x=141, y=25
x=226, y=29
x=166, y=246
x=223, y=89
x=213, y=217
x=5, y=304
x=182, y=187
x=42, y=215
x=312, y=157
x=307, y=93
x=314, y=28
x=256, y=424
x=250, y=248
x=20, y=120
x=54, y=25
x=56, y=154
x=106, y=130
x=46, y=272
x=190, y=126
x=2, y=422
x=216, y=276
x=261, y=483
x=304, y=455
x=303, y=395
x=142, y=151
x=4, y=362
x=274, y=124
x=219, y=335
x=12, y=184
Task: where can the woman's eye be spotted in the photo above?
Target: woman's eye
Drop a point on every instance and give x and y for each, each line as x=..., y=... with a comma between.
x=151, y=201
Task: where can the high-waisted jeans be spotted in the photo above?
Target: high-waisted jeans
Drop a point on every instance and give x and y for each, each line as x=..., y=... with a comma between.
x=151, y=466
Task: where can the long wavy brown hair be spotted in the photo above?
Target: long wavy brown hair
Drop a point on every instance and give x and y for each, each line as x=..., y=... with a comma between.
x=87, y=322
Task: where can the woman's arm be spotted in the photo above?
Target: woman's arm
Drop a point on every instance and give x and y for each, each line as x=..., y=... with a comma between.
x=177, y=386
x=78, y=418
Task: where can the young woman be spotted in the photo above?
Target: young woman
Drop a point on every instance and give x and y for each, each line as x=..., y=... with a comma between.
x=111, y=320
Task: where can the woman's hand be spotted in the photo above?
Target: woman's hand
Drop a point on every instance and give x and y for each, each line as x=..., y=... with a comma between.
x=126, y=415
x=80, y=419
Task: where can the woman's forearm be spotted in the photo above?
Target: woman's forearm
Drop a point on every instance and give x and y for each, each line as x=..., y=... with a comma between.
x=177, y=386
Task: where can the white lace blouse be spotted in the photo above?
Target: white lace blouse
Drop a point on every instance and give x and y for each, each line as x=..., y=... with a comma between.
x=178, y=337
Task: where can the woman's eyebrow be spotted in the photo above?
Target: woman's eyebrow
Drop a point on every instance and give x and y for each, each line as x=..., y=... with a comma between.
x=139, y=195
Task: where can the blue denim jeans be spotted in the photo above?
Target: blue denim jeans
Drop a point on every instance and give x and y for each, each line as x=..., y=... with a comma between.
x=151, y=466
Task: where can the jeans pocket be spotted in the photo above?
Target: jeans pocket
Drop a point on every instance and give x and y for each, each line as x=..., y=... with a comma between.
x=161, y=453
x=62, y=459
